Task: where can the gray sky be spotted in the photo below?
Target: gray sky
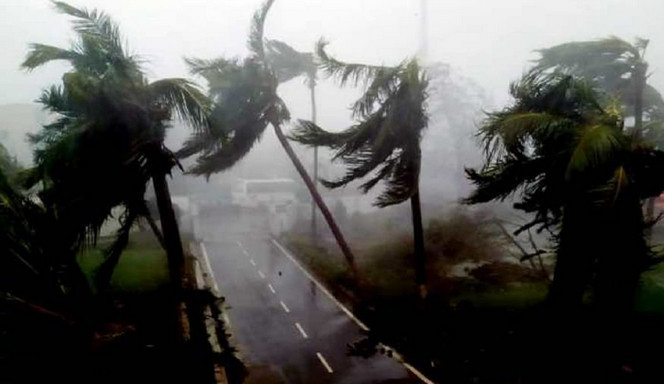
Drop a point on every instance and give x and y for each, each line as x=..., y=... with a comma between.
x=489, y=41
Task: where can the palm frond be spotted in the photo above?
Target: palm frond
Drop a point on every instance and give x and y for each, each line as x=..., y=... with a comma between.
x=210, y=68
x=344, y=73
x=289, y=63
x=94, y=24
x=256, y=34
x=596, y=145
x=502, y=178
x=221, y=157
x=183, y=97
x=40, y=54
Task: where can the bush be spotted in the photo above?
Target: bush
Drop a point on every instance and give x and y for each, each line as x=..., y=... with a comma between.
x=463, y=237
x=500, y=273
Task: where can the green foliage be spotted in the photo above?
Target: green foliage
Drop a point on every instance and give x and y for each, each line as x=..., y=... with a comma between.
x=8, y=164
x=107, y=139
x=36, y=263
x=562, y=148
x=461, y=237
x=384, y=145
x=555, y=142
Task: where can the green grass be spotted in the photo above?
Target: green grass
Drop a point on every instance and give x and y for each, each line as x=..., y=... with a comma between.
x=514, y=297
x=142, y=267
x=650, y=297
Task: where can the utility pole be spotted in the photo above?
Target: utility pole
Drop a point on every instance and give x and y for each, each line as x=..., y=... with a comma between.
x=424, y=32
x=312, y=94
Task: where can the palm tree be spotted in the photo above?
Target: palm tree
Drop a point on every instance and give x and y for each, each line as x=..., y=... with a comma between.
x=620, y=69
x=288, y=64
x=386, y=139
x=108, y=139
x=562, y=149
x=245, y=101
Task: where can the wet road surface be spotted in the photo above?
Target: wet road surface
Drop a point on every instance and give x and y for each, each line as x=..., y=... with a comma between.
x=281, y=319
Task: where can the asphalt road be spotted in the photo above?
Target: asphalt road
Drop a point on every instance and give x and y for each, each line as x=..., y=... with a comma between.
x=281, y=319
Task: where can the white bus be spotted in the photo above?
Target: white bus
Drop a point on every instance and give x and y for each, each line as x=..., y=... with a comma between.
x=271, y=193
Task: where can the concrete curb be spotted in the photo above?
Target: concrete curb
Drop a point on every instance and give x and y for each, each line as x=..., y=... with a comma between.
x=204, y=280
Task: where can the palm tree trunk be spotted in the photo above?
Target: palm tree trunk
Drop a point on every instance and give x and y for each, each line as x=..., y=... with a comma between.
x=312, y=94
x=418, y=241
x=155, y=230
x=580, y=235
x=345, y=249
x=169, y=226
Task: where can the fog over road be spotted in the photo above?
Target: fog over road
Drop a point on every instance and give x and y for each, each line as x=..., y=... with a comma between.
x=281, y=319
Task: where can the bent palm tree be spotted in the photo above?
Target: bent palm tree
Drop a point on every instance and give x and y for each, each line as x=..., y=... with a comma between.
x=108, y=139
x=288, y=64
x=565, y=153
x=620, y=69
x=386, y=139
x=245, y=101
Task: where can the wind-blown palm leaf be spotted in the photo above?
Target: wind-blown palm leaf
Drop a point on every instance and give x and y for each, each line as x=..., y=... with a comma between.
x=611, y=64
x=391, y=114
x=289, y=63
x=183, y=97
x=344, y=73
x=256, y=43
x=40, y=54
x=94, y=24
x=597, y=146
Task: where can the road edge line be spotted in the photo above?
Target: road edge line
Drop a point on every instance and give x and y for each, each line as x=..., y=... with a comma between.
x=209, y=272
x=397, y=355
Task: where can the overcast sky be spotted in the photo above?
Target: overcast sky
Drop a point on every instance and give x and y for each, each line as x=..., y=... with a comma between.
x=490, y=41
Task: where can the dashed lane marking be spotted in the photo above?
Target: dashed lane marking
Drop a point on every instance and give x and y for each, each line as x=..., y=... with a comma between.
x=324, y=362
x=299, y=328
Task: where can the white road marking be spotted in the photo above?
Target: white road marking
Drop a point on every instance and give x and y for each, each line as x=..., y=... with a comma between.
x=284, y=306
x=397, y=355
x=299, y=328
x=215, y=287
x=415, y=372
x=261, y=274
x=271, y=288
x=324, y=362
x=252, y=262
x=321, y=287
x=245, y=252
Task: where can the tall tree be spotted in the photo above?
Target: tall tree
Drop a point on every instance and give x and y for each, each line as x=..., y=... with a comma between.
x=245, y=100
x=108, y=139
x=288, y=64
x=8, y=164
x=620, y=69
x=562, y=149
x=391, y=115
